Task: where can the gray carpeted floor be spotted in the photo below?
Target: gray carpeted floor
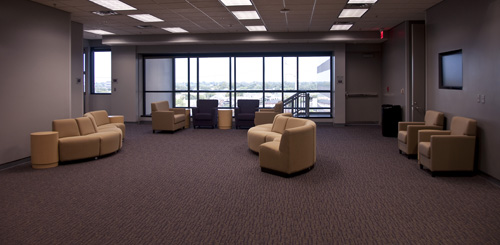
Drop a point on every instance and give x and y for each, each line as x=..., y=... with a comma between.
x=204, y=186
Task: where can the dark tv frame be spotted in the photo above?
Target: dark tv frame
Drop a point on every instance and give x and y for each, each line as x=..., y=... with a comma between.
x=444, y=67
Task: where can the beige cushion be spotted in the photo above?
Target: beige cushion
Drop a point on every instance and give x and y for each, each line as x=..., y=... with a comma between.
x=424, y=148
x=101, y=117
x=278, y=107
x=434, y=118
x=66, y=127
x=78, y=147
x=402, y=136
x=160, y=106
x=295, y=122
x=279, y=124
x=463, y=126
x=85, y=125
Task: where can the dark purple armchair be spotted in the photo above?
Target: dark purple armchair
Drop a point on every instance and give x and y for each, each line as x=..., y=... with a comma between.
x=244, y=114
x=205, y=114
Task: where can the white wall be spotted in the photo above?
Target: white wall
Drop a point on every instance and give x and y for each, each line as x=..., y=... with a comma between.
x=76, y=81
x=472, y=26
x=35, y=73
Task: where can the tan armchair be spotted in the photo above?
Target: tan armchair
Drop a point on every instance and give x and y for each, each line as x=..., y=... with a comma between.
x=264, y=116
x=448, y=150
x=408, y=131
x=292, y=153
x=166, y=118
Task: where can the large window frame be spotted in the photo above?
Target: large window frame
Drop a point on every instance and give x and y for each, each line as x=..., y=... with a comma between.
x=228, y=96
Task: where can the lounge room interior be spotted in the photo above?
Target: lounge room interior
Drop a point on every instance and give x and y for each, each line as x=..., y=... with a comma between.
x=375, y=128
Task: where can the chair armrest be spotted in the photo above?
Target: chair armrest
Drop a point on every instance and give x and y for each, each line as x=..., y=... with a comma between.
x=425, y=135
x=178, y=110
x=452, y=152
x=414, y=129
x=194, y=110
x=162, y=117
x=262, y=117
x=402, y=126
x=116, y=119
x=266, y=110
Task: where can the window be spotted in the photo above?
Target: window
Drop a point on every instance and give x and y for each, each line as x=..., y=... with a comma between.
x=101, y=72
x=269, y=79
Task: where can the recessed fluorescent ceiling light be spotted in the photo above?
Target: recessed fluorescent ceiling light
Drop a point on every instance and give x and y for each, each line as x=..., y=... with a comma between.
x=236, y=2
x=174, y=29
x=246, y=15
x=100, y=32
x=145, y=18
x=341, y=27
x=352, y=13
x=113, y=4
x=256, y=28
x=361, y=1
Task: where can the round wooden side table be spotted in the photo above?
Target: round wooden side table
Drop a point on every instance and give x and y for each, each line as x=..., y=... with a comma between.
x=44, y=149
x=225, y=119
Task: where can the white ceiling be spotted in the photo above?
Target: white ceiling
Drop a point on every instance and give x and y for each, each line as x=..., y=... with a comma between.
x=211, y=16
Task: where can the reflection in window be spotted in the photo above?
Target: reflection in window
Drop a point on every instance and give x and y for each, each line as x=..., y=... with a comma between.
x=223, y=98
x=272, y=99
x=273, y=73
x=102, y=72
x=181, y=74
x=249, y=73
x=314, y=73
x=214, y=73
x=249, y=96
x=290, y=72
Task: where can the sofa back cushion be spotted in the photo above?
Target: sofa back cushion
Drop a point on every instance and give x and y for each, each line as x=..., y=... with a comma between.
x=101, y=117
x=66, y=127
x=434, y=118
x=89, y=115
x=85, y=125
x=207, y=106
x=463, y=126
x=248, y=106
x=295, y=122
x=160, y=106
x=279, y=124
x=278, y=107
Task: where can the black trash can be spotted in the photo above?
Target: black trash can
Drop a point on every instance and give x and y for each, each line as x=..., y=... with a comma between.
x=391, y=115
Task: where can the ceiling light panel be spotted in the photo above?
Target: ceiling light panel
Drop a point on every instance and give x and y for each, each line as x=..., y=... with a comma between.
x=145, y=18
x=100, y=32
x=361, y=1
x=113, y=4
x=256, y=28
x=352, y=13
x=341, y=27
x=230, y=3
x=246, y=15
x=175, y=29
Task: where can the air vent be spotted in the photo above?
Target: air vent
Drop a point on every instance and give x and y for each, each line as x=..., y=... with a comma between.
x=145, y=27
x=105, y=13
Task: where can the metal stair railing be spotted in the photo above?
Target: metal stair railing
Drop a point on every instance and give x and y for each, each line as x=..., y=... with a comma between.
x=298, y=104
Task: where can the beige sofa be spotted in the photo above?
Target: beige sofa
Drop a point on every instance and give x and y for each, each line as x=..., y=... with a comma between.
x=264, y=116
x=102, y=120
x=263, y=133
x=79, y=138
x=448, y=150
x=408, y=131
x=288, y=148
x=165, y=118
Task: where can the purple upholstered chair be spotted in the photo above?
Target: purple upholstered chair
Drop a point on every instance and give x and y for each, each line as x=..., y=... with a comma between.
x=244, y=114
x=206, y=113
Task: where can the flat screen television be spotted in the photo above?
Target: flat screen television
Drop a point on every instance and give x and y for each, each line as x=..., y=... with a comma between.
x=450, y=70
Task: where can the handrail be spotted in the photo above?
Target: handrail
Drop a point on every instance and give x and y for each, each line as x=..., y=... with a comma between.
x=298, y=104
